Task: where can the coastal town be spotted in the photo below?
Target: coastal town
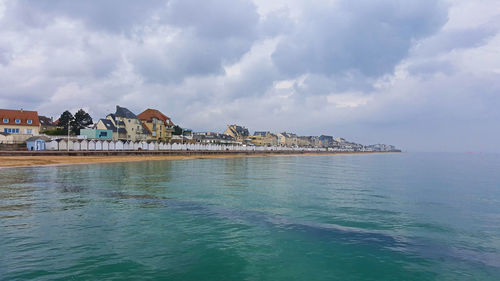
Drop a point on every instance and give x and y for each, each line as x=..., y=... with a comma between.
x=150, y=130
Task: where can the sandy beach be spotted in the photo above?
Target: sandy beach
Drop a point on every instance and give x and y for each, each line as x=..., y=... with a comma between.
x=25, y=161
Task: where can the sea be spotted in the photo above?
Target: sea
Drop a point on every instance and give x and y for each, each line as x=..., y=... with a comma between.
x=387, y=216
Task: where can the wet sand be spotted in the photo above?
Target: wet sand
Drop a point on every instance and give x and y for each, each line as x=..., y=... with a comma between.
x=25, y=161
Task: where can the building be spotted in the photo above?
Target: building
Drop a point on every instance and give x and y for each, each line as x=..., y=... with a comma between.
x=264, y=139
x=308, y=141
x=133, y=129
x=239, y=133
x=99, y=134
x=23, y=122
x=37, y=143
x=287, y=139
x=106, y=124
x=213, y=137
x=159, y=124
x=46, y=123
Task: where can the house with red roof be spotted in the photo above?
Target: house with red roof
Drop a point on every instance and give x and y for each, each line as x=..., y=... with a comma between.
x=159, y=125
x=20, y=122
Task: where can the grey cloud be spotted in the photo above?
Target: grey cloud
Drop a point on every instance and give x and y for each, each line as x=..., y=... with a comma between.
x=109, y=15
x=214, y=18
x=370, y=37
x=187, y=56
x=213, y=34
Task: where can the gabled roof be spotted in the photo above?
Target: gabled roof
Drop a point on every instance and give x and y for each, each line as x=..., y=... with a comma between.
x=22, y=115
x=125, y=113
x=108, y=124
x=149, y=114
x=46, y=121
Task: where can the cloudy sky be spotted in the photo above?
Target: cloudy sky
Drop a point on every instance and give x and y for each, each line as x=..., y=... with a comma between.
x=421, y=74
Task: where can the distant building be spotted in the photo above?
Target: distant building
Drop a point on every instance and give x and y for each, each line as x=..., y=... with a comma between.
x=212, y=137
x=287, y=139
x=261, y=138
x=22, y=122
x=133, y=129
x=309, y=141
x=159, y=124
x=239, y=133
x=46, y=123
x=99, y=134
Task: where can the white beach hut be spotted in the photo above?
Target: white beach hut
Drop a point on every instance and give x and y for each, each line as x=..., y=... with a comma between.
x=92, y=145
x=84, y=145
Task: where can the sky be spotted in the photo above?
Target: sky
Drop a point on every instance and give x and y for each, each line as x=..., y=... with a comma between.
x=423, y=75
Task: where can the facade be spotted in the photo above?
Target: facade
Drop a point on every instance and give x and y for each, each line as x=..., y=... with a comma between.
x=309, y=141
x=264, y=139
x=213, y=137
x=37, y=143
x=129, y=125
x=328, y=141
x=159, y=124
x=239, y=133
x=287, y=139
x=21, y=122
x=99, y=134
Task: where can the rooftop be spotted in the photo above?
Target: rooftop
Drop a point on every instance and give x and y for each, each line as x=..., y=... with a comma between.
x=12, y=115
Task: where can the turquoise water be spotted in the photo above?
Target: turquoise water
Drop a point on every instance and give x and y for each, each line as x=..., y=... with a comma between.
x=346, y=217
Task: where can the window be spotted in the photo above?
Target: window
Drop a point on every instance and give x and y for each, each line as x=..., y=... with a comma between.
x=18, y=121
x=11, y=131
x=6, y=120
x=28, y=131
x=103, y=134
x=30, y=121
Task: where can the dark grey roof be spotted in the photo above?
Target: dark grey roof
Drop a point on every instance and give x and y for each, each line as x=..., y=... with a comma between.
x=5, y=134
x=109, y=124
x=45, y=121
x=125, y=113
x=262, y=134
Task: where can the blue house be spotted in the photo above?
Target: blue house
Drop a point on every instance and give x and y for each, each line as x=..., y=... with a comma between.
x=37, y=143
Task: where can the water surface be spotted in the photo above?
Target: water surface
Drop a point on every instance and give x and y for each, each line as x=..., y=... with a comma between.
x=344, y=217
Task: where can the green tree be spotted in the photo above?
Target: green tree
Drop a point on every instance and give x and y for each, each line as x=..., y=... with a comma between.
x=81, y=120
x=65, y=119
x=177, y=130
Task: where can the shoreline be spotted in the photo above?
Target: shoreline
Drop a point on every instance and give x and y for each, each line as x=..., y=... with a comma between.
x=16, y=161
